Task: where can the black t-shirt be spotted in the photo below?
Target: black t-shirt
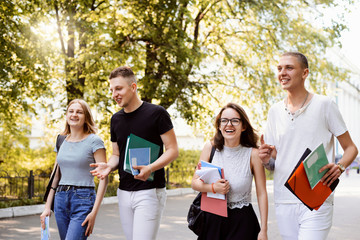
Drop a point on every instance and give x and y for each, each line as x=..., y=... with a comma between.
x=149, y=121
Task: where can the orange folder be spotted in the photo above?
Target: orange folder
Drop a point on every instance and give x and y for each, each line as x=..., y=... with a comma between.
x=299, y=185
x=214, y=205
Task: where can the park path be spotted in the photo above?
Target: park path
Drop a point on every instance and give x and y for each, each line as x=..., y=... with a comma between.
x=346, y=218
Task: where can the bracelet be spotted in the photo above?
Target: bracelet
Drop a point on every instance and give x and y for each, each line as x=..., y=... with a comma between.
x=53, y=188
x=212, y=188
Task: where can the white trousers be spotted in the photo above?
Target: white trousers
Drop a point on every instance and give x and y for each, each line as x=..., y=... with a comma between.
x=140, y=212
x=297, y=222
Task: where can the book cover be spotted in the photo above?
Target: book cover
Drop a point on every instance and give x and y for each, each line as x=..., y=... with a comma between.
x=207, y=164
x=214, y=205
x=139, y=157
x=126, y=166
x=312, y=164
x=299, y=185
x=210, y=173
x=134, y=142
x=45, y=233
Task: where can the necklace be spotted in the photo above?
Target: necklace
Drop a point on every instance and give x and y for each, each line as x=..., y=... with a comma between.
x=287, y=100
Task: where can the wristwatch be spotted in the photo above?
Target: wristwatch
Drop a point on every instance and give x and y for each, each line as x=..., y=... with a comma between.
x=341, y=167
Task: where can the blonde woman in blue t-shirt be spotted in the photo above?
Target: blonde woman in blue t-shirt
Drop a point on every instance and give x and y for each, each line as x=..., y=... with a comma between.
x=76, y=203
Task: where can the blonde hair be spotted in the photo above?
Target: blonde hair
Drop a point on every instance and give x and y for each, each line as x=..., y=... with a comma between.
x=89, y=125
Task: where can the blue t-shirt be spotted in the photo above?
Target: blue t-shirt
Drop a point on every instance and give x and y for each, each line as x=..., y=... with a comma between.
x=74, y=159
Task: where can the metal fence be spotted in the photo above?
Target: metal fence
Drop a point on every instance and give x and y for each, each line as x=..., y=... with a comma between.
x=16, y=185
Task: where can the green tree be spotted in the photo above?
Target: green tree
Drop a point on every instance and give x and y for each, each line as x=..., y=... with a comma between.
x=181, y=48
x=24, y=73
x=190, y=54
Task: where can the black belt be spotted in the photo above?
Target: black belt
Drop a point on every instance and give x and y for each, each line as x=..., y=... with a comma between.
x=61, y=188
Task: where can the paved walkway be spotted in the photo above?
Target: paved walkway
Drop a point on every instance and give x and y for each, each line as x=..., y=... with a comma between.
x=174, y=226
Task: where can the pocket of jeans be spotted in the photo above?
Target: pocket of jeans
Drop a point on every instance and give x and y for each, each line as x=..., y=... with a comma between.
x=83, y=193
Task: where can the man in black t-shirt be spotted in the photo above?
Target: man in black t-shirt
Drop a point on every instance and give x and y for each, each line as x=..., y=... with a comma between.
x=141, y=202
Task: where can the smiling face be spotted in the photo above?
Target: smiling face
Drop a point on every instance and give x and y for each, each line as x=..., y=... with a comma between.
x=291, y=73
x=123, y=91
x=75, y=115
x=230, y=132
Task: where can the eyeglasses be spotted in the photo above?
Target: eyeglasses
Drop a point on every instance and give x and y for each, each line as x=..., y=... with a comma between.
x=233, y=121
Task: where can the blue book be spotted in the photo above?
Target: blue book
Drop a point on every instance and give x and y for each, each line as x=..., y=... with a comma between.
x=207, y=164
x=134, y=142
x=45, y=234
x=139, y=157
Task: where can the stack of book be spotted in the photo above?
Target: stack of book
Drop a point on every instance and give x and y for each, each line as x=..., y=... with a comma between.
x=139, y=152
x=304, y=181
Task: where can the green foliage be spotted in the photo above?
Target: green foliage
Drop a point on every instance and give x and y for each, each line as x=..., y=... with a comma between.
x=24, y=65
x=190, y=54
x=186, y=159
x=21, y=202
x=22, y=157
x=269, y=174
x=182, y=169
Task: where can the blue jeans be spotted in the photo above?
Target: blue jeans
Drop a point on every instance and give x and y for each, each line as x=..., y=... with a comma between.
x=71, y=208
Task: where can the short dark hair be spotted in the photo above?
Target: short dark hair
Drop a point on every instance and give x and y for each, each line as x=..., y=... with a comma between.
x=125, y=72
x=301, y=58
x=248, y=137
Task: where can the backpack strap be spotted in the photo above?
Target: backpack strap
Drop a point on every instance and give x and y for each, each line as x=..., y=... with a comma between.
x=212, y=154
x=59, y=140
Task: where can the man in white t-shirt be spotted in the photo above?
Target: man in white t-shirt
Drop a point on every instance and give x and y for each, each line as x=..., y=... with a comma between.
x=302, y=120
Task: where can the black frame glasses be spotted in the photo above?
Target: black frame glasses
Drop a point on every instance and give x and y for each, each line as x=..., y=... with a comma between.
x=233, y=121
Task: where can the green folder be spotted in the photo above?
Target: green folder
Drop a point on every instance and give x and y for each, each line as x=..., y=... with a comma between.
x=134, y=141
x=312, y=164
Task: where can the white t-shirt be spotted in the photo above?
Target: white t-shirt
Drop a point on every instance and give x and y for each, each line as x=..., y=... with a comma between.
x=317, y=122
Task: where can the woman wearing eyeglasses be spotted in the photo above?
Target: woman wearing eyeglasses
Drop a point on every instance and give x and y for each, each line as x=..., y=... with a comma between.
x=235, y=144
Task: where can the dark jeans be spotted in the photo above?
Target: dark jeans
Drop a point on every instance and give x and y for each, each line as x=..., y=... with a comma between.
x=71, y=208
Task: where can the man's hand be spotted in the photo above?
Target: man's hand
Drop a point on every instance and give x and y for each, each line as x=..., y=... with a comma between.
x=144, y=174
x=262, y=235
x=265, y=151
x=101, y=170
x=331, y=175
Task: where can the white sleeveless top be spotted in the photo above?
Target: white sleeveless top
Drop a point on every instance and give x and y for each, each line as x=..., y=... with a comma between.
x=236, y=164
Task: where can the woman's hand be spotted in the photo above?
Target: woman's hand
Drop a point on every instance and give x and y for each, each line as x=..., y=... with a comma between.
x=45, y=213
x=90, y=221
x=222, y=186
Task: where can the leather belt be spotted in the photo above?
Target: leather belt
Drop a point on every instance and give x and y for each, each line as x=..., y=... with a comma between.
x=66, y=188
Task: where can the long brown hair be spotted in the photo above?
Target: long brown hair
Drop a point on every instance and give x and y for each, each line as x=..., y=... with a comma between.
x=89, y=124
x=248, y=137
